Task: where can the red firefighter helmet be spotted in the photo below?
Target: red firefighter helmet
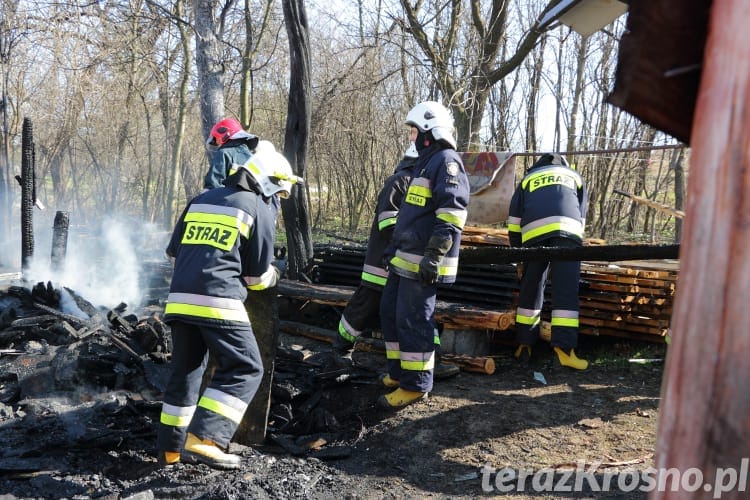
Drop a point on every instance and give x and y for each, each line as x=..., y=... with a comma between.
x=223, y=131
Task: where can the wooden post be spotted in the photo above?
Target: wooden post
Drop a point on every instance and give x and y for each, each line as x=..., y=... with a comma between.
x=704, y=418
x=262, y=307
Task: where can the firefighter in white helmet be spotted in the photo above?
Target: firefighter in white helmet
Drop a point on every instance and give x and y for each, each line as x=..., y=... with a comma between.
x=222, y=245
x=423, y=252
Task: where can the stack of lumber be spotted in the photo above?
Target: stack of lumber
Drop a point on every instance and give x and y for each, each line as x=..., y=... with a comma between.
x=631, y=299
x=628, y=299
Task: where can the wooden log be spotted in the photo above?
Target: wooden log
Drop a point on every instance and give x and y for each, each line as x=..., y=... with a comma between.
x=703, y=413
x=650, y=203
x=452, y=315
x=476, y=364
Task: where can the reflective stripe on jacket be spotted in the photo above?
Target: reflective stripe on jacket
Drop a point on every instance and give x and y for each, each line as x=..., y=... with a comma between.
x=390, y=199
x=550, y=201
x=435, y=204
x=222, y=245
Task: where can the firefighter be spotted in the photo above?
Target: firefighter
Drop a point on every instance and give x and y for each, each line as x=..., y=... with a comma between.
x=235, y=146
x=362, y=312
x=548, y=208
x=222, y=246
x=423, y=252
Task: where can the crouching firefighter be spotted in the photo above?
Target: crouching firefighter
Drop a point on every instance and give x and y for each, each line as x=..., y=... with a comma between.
x=222, y=245
x=548, y=208
x=423, y=252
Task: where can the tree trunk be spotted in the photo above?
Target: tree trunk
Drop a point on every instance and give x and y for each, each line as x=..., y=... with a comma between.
x=295, y=209
x=678, y=164
x=703, y=417
x=179, y=130
x=209, y=63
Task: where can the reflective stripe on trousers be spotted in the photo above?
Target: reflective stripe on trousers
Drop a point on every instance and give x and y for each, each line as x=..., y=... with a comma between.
x=216, y=413
x=406, y=316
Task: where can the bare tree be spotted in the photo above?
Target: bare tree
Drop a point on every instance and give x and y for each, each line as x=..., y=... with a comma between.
x=295, y=209
x=439, y=29
x=210, y=63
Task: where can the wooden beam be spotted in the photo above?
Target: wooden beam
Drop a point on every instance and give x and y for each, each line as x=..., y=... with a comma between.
x=452, y=315
x=262, y=307
x=703, y=415
x=607, y=253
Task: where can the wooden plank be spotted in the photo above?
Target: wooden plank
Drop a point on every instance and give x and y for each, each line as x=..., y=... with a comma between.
x=703, y=413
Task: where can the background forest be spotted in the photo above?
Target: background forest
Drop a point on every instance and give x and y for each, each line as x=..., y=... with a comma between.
x=112, y=90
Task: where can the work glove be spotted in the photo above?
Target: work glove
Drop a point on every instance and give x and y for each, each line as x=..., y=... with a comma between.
x=436, y=248
x=428, y=269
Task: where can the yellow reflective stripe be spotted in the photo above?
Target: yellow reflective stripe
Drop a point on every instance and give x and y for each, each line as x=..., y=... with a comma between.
x=418, y=366
x=392, y=350
x=344, y=327
x=371, y=278
x=552, y=176
x=549, y=228
x=266, y=280
x=222, y=409
x=527, y=320
x=176, y=416
x=405, y=264
x=571, y=322
x=175, y=420
x=420, y=191
x=417, y=195
x=456, y=220
x=514, y=228
x=226, y=220
x=206, y=312
x=386, y=223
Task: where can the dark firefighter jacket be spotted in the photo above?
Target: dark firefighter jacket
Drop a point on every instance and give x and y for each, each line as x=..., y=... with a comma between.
x=549, y=202
x=227, y=159
x=222, y=246
x=435, y=205
x=389, y=201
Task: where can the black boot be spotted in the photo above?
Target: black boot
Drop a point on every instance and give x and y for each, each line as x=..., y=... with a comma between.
x=342, y=352
x=443, y=369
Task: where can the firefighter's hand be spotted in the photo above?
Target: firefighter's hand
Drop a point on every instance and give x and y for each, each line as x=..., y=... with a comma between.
x=428, y=270
x=519, y=270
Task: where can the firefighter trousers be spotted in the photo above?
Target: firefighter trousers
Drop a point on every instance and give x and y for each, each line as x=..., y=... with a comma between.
x=361, y=313
x=217, y=412
x=564, y=277
x=406, y=318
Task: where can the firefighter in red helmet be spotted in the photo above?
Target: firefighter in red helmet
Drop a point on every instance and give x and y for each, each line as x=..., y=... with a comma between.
x=235, y=146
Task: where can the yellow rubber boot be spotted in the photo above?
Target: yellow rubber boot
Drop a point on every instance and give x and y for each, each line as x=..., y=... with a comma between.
x=168, y=458
x=387, y=381
x=206, y=452
x=400, y=398
x=571, y=360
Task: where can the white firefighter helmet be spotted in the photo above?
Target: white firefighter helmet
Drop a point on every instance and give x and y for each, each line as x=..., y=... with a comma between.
x=431, y=115
x=271, y=170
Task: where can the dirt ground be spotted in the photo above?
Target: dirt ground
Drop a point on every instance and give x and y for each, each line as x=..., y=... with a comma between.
x=541, y=422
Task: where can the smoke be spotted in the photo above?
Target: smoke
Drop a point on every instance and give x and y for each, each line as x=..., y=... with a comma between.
x=104, y=262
